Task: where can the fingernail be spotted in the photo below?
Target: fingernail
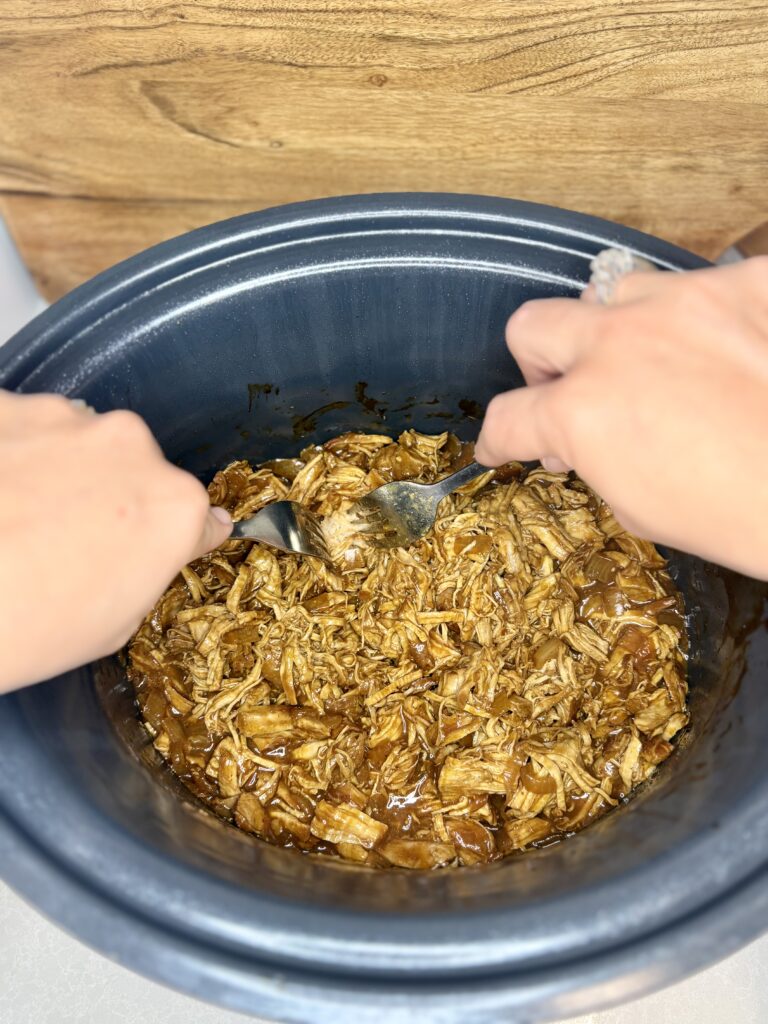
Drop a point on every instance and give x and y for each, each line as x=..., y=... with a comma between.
x=78, y=403
x=554, y=465
x=222, y=515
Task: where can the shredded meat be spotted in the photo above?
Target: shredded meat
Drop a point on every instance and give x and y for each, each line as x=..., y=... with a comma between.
x=502, y=683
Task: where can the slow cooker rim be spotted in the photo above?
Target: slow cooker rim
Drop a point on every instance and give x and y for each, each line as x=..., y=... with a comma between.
x=226, y=978
x=163, y=262
x=213, y=908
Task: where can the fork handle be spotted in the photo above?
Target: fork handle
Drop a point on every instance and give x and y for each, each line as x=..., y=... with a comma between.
x=459, y=478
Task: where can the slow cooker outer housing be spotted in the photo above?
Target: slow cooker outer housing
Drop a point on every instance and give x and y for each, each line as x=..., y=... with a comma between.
x=229, y=340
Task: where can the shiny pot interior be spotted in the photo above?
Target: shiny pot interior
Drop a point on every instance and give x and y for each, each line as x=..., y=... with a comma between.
x=250, y=339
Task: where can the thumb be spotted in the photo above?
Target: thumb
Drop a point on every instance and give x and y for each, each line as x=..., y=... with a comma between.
x=517, y=426
x=216, y=528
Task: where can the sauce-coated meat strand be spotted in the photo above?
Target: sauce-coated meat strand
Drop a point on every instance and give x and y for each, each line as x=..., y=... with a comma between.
x=500, y=684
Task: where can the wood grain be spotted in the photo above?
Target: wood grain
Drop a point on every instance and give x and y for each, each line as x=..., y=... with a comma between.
x=127, y=122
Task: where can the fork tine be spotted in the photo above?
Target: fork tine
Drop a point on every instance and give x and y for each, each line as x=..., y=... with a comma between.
x=379, y=523
x=287, y=526
x=312, y=533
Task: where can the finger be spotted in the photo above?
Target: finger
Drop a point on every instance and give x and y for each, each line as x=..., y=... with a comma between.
x=639, y=285
x=555, y=465
x=517, y=426
x=126, y=430
x=632, y=525
x=548, y=336
x=42, y=410
x=216, y=528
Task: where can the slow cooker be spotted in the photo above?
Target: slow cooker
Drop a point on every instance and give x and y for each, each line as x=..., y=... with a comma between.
x=234, y=341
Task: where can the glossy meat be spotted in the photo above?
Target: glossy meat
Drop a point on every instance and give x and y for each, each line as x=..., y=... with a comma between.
x=502, y=683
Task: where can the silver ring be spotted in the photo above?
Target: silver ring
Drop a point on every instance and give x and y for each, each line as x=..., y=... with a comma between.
x=608, y=268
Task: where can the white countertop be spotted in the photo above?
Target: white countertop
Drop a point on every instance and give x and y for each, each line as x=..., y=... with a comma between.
x=47, y=977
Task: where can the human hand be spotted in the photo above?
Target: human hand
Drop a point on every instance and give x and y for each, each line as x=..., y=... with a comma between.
x=659, y=401
x=94, y=524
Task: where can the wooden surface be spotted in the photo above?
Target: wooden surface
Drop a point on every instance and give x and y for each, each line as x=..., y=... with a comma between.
x=123, y=122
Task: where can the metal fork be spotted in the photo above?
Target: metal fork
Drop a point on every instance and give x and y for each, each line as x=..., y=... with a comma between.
x=285, y=525
x=394, y=515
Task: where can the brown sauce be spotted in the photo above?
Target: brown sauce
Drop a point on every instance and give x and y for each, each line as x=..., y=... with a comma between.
x=497, y=686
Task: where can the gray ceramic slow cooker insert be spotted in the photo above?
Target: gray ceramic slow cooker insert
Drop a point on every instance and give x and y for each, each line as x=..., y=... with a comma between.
x=408, y=293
